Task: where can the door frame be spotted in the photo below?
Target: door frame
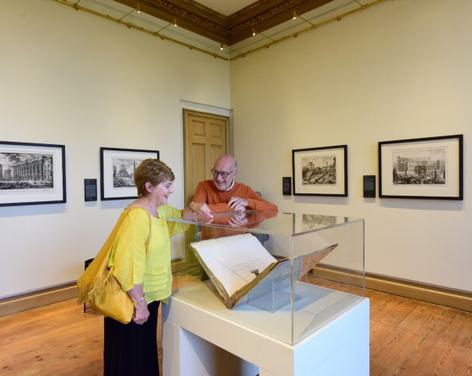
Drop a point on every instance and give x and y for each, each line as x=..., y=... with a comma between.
x=229, y=138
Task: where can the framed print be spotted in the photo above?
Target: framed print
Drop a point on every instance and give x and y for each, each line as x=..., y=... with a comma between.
x=429, y=168
x=117, y=171
x=32, y=174
x=320, y=171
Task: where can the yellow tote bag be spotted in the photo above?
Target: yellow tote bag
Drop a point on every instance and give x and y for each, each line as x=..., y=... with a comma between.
x=98, y=287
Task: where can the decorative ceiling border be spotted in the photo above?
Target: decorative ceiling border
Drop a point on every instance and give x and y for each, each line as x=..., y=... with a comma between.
x=75, y=5
x=311, y=25
x=187, y=14
x=265, y=14
x=255, y=18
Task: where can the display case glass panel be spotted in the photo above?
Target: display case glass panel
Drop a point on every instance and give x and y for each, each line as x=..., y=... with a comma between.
x=285, y=275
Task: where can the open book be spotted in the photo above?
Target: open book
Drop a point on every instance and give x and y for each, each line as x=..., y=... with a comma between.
x=235, y=264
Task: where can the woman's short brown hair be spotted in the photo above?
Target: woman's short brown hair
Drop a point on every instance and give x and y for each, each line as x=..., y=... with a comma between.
x=153, y=171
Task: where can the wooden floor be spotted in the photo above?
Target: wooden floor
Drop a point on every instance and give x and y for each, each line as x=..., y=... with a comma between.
x=408, y=338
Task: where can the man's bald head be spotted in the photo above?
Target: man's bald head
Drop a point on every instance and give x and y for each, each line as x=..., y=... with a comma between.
x=225, y=162
x=224, y=172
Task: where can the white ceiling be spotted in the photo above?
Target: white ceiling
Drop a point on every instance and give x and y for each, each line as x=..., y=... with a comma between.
x=226, y=7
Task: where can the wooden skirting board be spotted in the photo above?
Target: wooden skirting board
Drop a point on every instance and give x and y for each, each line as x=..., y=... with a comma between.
x=38, y=298
x=432, y=294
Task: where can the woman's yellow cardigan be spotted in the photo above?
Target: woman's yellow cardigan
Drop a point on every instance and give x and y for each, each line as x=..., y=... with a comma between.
x=132, y=264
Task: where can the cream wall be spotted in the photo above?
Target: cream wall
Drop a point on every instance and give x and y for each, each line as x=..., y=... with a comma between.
x=398, y=70
x=401, y=69
x=71, y=78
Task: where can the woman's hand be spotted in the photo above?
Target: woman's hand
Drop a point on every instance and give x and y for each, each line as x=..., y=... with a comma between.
x=200, y=208
x=141, y=312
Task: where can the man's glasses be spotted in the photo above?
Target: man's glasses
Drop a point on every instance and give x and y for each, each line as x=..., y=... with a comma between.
x=223, y=174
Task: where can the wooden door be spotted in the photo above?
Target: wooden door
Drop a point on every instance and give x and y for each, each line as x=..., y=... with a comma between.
x=205, y=139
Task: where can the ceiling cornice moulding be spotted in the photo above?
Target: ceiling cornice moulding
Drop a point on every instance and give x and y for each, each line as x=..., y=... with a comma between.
x=265, y=14
x=186, y=14
x=257, y=17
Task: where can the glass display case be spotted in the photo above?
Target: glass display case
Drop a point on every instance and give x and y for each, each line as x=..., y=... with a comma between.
x=284, y=275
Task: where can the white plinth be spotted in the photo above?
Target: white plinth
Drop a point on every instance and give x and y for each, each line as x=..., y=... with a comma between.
x=204, y=338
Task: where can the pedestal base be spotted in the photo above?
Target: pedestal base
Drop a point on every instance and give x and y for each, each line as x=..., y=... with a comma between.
x=203, y=338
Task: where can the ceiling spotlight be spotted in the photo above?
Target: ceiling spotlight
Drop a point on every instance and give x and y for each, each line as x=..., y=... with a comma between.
x=221, y=47
x=294, y=17
x=137, y=9
x=253, y=32
x=175, y=22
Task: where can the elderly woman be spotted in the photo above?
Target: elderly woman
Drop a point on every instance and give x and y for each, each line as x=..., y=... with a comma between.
x=141, y=260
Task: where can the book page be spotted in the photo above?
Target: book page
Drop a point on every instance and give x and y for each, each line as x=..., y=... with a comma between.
x=234, y=260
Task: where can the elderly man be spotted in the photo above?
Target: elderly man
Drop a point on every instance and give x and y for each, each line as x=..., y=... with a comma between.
x=223, y=193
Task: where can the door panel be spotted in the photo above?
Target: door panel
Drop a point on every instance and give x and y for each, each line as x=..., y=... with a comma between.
x=198, y=172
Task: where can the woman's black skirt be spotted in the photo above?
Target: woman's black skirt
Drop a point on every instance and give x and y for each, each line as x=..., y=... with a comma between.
x=131, y=349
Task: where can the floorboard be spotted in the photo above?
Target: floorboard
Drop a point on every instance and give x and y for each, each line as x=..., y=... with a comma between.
x=408, y=338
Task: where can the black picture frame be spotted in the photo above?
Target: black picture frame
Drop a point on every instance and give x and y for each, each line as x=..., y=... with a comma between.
x=422, y=168
x=32, y=173
x=320, y=171
x=114, y=160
